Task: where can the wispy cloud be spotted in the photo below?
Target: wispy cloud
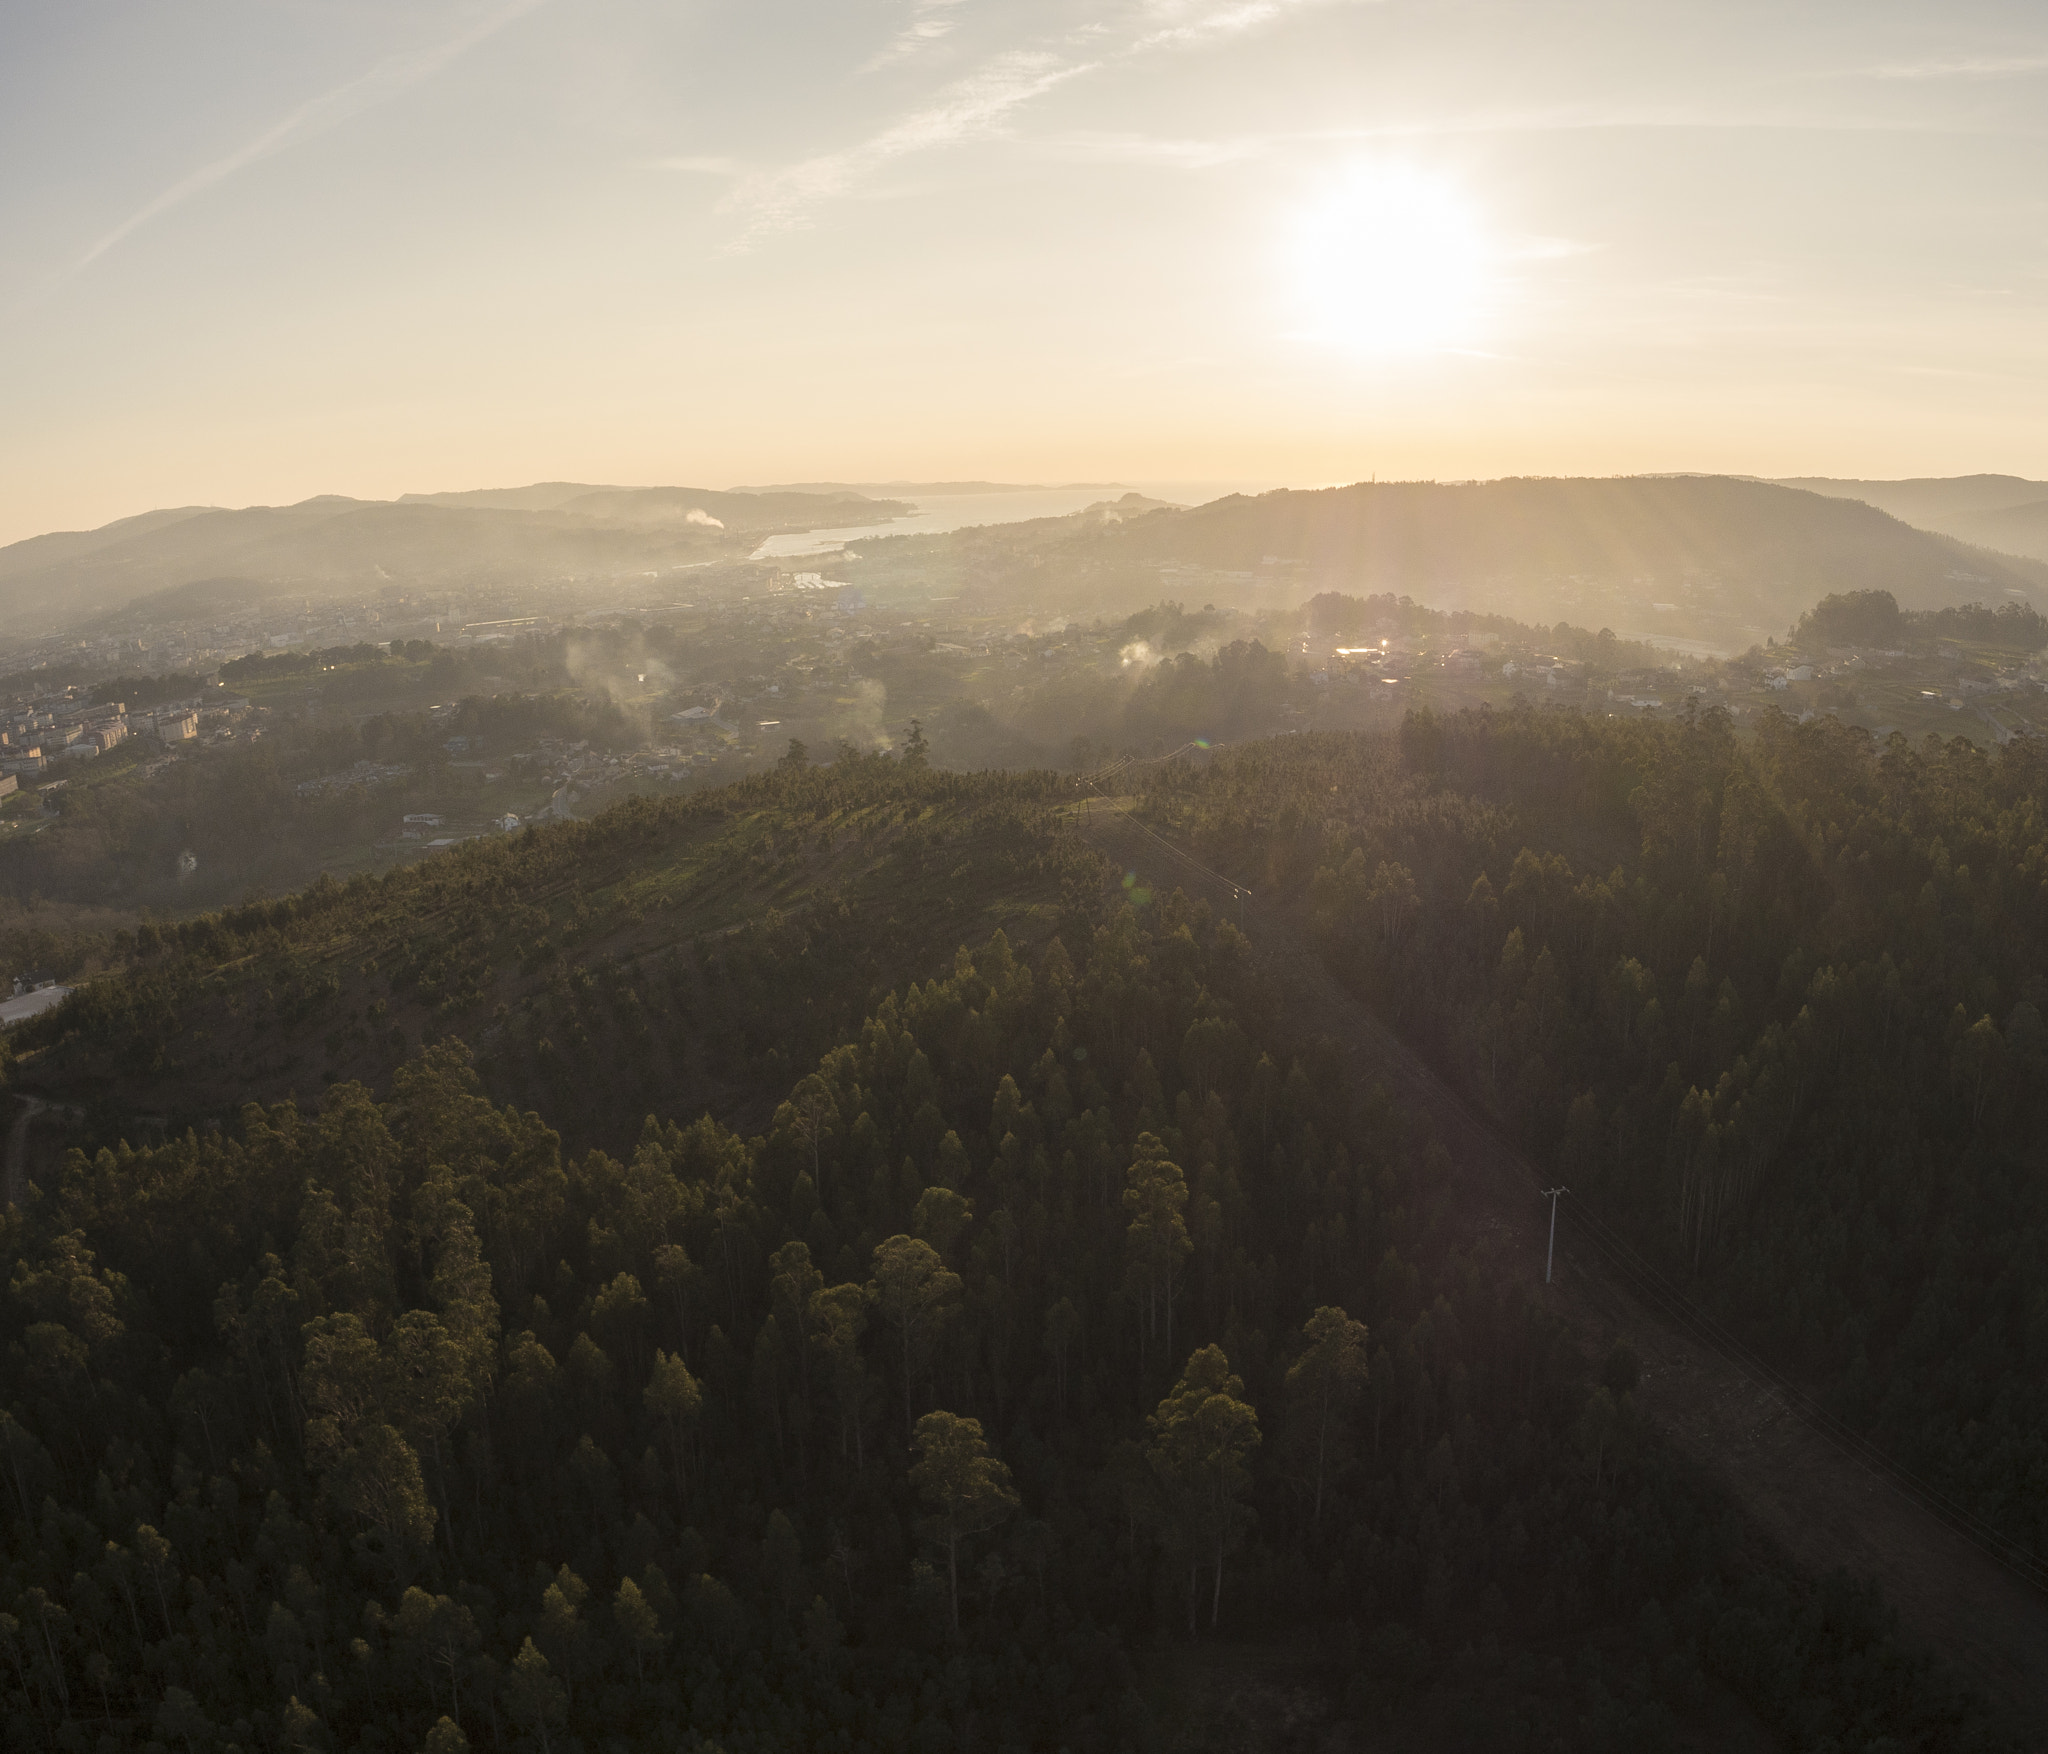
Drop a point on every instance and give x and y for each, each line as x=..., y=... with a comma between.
x=1195, y=153
x=780, y=200
x=1960, y=67
x=1189, y=23
x=386, y=80
x=930, y=21
x=1090, y=146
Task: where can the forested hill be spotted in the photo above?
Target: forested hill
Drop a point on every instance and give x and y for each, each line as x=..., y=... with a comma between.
x=676, y=954
x=1773, y=1005
x=1420, y=537
x=332, y=541
x=2004, y=512
x=1711, y=557
x=1069, y=1309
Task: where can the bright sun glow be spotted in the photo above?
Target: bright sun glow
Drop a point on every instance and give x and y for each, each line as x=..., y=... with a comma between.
x=1390, y=261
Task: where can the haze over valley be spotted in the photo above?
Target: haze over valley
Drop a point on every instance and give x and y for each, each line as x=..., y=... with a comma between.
x=1197, y=907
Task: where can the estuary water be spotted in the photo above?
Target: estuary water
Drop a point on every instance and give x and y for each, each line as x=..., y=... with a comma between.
x=939, y=512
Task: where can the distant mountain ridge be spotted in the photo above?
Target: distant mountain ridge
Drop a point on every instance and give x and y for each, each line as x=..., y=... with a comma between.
x=1720, y=559
x=332, y=542
x=1712, y=558
x=542, y=496
x=937, y=489
x=2005, y=512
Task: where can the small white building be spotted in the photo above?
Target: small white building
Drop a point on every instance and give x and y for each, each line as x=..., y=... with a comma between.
x=29, y=1002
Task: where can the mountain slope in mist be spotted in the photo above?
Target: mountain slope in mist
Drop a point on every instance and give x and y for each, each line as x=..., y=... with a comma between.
x=332, y=542
x=2018, y=529
x=1712, y=558
x=2004, y=512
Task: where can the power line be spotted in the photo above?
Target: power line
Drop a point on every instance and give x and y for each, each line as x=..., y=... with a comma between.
x=1651, y=1286
x=1237, y=890
x=1643, y=1280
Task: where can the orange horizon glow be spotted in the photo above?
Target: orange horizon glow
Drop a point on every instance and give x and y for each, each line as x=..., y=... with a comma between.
x=372, y=251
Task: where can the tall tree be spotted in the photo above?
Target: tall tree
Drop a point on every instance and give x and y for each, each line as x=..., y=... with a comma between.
x=915, y=1291
x=674, y=1397
x=366, y=1463
x=1156, y=1243
x=1062, y=1329
x=1324, y=1381
x=639, y=1623
x=1203, y=1436
x=533, y=1692
x=838, y=1318
x=966, y=1486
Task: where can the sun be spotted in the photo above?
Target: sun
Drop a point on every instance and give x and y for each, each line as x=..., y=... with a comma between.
x=1389, y=261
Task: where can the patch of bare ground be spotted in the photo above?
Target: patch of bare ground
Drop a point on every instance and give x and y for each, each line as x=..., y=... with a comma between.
x=1828, y=1507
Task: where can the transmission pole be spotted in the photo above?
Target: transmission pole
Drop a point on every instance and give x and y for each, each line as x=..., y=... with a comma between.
x=1551, y=1195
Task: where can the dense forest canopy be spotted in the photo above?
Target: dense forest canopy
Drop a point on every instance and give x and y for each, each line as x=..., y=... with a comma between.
x=1070, y=1302
x=1335, y=612
x=1873, y=618
x=1773, y=1003
x=691, y=950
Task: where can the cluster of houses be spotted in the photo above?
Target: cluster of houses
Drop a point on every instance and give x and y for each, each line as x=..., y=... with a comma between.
x=38, y=736
x=1391, y=662
x=428, y=826
x=361, y=773
x=31, y=997
x=43, y=735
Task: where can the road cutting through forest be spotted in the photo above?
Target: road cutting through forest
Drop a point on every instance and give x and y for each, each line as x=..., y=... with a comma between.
x=1776, y=1451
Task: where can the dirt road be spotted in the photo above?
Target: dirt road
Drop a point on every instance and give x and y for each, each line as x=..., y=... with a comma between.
x=1827, y=1505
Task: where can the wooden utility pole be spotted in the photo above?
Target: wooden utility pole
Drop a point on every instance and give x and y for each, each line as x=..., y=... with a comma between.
x=1551, y=1195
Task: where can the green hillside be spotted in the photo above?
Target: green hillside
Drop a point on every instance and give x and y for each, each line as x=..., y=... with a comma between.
x=1071, y=1307
x=1772, y=1006
x=2003, y=512
x=678, y=954
x=1711, y=558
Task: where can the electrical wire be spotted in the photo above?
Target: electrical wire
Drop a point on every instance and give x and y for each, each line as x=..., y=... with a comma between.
x=1653, y=1287
x=1239, y=892
x=1643, y=1280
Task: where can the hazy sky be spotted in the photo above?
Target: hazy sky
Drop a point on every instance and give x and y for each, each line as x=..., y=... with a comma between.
x=254, y=251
